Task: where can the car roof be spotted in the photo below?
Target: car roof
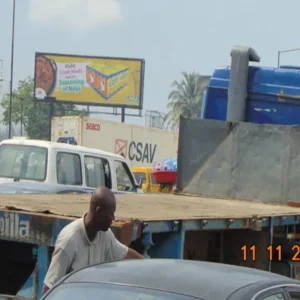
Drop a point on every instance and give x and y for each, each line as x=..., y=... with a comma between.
x=205, y=280
x=40, y=186
x=61, y=146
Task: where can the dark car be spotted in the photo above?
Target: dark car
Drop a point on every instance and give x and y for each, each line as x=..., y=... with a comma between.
x=25, y=187
x=166, y=279
x=67, y=140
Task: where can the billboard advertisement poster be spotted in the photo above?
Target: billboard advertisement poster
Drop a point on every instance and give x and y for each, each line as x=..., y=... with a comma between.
x=86, y=80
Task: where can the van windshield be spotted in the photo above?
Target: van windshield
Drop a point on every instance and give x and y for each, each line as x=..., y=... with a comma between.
x=23, y=162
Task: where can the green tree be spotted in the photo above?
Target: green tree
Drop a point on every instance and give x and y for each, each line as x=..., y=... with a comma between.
x=33, y=116
x=185, y=98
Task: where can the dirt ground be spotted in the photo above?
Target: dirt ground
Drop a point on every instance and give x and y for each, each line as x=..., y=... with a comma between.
x=148, y=207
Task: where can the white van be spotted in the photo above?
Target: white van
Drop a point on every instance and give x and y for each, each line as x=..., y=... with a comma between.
x=58, y=163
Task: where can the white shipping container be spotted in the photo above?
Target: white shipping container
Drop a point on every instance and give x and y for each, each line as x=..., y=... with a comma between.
x=141, y=146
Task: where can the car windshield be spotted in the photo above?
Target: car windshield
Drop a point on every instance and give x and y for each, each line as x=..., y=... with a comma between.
x=140, y=176
x=23, y=162
x=11, y=190
x=87, y=291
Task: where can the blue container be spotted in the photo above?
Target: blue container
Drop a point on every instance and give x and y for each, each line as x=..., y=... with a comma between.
x=273, y=95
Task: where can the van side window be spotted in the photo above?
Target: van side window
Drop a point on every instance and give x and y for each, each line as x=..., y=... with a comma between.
x=97, y=172
x=68, y=168
x=124, y=182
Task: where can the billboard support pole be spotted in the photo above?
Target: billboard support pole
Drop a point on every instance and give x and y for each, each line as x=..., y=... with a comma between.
x=123, y=115
x=21, y=99
x=51, y=114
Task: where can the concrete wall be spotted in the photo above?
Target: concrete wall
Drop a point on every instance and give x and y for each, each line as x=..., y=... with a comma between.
x=239, y=160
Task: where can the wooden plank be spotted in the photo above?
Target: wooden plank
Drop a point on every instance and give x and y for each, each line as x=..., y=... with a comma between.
x=148, y=207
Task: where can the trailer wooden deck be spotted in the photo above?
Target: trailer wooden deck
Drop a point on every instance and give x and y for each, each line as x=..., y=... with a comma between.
x=148, y=207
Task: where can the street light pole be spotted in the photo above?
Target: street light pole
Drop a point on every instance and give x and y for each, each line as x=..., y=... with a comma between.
x=284, y=51
x=11, y=70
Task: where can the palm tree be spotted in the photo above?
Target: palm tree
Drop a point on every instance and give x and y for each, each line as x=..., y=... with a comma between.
x=185, y=98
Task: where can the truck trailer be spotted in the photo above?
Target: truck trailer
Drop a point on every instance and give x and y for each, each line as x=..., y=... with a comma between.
x=142, y=146
x=165, y=226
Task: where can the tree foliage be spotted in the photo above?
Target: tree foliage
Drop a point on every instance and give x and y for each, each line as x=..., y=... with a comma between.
x=185, y=98
x=33, y=116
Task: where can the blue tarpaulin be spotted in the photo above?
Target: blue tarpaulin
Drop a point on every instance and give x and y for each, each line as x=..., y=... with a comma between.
x=168, y=164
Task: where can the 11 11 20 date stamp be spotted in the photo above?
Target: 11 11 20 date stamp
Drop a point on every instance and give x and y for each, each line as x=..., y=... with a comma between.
x=273, y=252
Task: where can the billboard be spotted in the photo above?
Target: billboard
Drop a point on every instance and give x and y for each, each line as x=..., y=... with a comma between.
x=103, y=81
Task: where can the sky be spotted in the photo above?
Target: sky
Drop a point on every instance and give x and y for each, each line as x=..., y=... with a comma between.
x=171, y=35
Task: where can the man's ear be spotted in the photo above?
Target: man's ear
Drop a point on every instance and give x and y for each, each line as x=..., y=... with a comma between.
x=98, y=208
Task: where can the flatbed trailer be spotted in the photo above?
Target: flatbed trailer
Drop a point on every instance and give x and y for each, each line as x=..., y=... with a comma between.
x=164, y=226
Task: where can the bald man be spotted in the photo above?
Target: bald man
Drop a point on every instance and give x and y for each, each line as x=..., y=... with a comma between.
x=88, y=240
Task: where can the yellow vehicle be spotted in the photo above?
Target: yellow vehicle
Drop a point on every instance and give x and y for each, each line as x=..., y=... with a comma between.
x=147, y=183
x=145, y=179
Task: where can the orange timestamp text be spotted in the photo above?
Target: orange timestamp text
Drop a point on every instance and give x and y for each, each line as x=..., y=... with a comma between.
x=249, y=252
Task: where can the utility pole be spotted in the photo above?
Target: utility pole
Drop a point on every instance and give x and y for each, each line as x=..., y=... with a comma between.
x=1, y=77
x=12, y=69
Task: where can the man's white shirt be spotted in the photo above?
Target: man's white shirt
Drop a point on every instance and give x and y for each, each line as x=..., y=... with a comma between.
x=73, y=251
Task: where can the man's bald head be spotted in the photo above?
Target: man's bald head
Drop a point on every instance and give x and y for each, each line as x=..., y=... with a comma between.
x=102, y=197
x=102, y=208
